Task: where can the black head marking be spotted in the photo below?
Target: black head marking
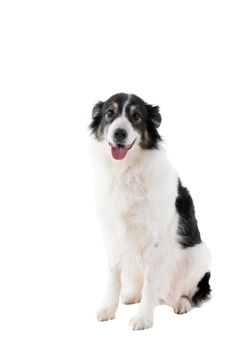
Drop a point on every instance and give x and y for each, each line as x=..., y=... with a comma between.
x=96, y=117
x=153, y=112
x=145, y=118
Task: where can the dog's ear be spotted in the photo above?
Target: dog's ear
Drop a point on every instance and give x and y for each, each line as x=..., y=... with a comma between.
x=97, y=109
x=96, y=117
x=154, y=115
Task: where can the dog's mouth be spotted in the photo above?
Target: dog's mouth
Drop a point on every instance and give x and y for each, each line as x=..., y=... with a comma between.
x=119, y=151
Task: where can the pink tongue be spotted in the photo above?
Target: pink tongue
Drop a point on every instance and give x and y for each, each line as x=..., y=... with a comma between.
x=119, y=152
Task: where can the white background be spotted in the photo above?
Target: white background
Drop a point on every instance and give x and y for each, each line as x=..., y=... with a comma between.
x=57, y=59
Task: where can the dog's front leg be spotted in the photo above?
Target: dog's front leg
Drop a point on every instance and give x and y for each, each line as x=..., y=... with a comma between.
x=112, y=293
x=144, y=316
x=155, y=284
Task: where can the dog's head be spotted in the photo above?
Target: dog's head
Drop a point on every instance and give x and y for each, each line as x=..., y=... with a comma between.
x=126, y=121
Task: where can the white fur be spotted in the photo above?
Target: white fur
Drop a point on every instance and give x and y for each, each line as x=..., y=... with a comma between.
x=135, y=203
x=122, y=123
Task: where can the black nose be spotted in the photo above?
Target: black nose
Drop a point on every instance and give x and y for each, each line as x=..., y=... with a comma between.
x=119, y=135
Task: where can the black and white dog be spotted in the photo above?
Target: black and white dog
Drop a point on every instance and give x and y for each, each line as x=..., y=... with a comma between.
x=154, y=247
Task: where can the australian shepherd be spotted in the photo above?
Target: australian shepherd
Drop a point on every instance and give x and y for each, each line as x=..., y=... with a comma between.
x=155, y=252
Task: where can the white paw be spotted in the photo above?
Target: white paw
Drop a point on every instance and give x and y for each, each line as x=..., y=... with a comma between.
x=183, y=306
x=141, y=322
x=130, y=299
x=105, y=314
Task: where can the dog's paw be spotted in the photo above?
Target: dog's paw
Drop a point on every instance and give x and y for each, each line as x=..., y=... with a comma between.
x=105, y=314
x=130, y=299
x=183, y=306
x=141, y=322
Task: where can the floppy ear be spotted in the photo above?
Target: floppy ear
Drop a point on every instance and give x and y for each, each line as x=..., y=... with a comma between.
x=97, y=109
x=96, y=117
x=154, y=115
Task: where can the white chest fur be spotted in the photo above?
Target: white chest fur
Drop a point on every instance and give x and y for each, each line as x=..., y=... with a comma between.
x=135, y=199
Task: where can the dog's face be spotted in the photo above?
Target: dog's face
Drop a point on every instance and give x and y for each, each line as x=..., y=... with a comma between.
x=124, y=121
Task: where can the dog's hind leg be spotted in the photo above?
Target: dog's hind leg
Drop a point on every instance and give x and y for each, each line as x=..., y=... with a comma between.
x=192, y=280
x=183, y=306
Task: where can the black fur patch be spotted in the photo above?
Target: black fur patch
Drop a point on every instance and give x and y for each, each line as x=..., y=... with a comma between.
x=203, y=292
x=96, y=118
x=188, y=231
x=147, y=124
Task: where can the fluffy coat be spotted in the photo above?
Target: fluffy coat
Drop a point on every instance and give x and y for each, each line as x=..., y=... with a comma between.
x=155, y=253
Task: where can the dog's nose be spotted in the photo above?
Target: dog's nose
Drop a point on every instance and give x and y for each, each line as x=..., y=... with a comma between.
x=119, y=135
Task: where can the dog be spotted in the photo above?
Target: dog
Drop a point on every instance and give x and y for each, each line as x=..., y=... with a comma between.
x=155, y=252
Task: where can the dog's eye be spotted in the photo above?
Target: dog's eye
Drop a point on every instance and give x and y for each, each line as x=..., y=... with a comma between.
x=110, y=114
x=136, y=116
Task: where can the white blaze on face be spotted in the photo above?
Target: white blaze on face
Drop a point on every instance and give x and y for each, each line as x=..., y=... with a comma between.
x=119, y=151
x=121, y=123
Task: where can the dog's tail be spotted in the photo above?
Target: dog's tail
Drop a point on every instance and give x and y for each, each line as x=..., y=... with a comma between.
x=203, y=292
